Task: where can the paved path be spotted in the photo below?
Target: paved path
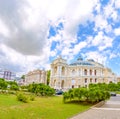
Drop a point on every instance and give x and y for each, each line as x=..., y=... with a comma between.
x=110, y=110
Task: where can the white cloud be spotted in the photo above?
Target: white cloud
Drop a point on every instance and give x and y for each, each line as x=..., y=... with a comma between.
x=100, y=22
x=3, y=29
x=117, y=31
x=78, y=47
x=117, y=4
x=97, y=56
x=112, y=55
x=53, y=53
x=25, y=29
x=102, y=41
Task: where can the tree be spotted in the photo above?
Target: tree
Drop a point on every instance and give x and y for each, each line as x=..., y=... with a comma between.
x=41, y=89
x=23, y=77
x=48, y=77
x=14, y=87
x=3, y=84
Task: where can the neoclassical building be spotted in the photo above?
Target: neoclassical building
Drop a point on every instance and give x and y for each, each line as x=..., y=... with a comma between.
x=78, y=74
x=36, y=76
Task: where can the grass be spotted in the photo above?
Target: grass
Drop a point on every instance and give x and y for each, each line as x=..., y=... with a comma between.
x=41, y=108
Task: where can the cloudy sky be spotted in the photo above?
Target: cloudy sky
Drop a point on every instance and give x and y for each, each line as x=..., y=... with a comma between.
x=35, y=32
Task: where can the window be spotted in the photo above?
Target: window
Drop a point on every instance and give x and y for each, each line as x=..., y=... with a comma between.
x=79, y=72
x=55, y=70
x=95, y=72
x=85, y=72
x=95, y=80
x=73, y=72
x=85, y=86
x=72, y=86
x=73, y=81
x=79, y=86
x=54, y=82
x=85, y=80
x=90, y=72
x=63, y=70
x=90, y=80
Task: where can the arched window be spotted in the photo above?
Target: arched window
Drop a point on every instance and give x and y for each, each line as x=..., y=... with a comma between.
x=62, y=84
x=95, y=72
x=85, y=80
x=73, y=81
x=90, y=80
x=54, y=82
x=90, y=72
x=85, y=72
x=73, y=72
x=79, y=72
x=95, y=80
x=63, y=70
x=55, y=70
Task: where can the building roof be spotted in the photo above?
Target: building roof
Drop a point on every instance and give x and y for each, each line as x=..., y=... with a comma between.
x=89, y=62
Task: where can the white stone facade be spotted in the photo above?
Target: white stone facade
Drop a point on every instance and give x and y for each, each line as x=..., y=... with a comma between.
x=36, y=76
x=78, y=74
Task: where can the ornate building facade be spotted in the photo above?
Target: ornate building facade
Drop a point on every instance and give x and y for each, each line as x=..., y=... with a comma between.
x=78, y=74
x=36, y=76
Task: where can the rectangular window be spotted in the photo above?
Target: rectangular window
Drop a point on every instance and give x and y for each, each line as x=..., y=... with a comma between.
x=95, y=80
x=79, y=86
x=85, y=80
x=72, y=86
x=90, y=80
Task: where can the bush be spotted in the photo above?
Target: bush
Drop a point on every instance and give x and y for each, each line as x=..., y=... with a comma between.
x=41, y=89
x=32, y=97
x=22, y=97
x=89, y=95
x=14, y=87
x=11, y=92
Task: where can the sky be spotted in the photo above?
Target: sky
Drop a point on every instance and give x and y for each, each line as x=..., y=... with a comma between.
x=35, y=32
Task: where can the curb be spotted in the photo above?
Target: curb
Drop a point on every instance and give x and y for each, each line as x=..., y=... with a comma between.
x=98, y=104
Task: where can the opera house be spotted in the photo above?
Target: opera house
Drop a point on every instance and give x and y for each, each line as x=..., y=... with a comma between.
x=79, y=73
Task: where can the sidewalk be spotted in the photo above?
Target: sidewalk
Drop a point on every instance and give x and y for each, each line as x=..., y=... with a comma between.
x=103, y=110
x=98, y=114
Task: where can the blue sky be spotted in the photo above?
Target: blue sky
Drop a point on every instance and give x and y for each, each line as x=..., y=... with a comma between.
x=34, y=32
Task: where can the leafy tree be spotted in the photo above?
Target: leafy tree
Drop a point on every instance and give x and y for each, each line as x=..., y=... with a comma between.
x=65, y=96
x=12, y=83
x=71, y=94
x=14, y=87
x=23, y=77
x=94, y=94
x=48, y=77
x=3, y=84
x=113, y=87
x=41, y=89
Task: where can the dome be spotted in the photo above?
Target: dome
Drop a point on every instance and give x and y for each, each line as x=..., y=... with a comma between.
x=81, y=62
x=91, y=60
x=80, y=58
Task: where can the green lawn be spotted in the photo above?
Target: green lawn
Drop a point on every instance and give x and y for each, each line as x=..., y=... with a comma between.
x=41, y=108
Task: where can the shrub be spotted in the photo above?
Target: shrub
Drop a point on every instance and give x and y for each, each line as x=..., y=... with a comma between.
x=14, y=87
x=22, y=97
x=83, y=94
x=32, y=97
x=65, y=96
x=41, y=89
x=11, y=92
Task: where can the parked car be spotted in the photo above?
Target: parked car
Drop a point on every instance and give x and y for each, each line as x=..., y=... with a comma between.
x=59, y=92
x=112, y=93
